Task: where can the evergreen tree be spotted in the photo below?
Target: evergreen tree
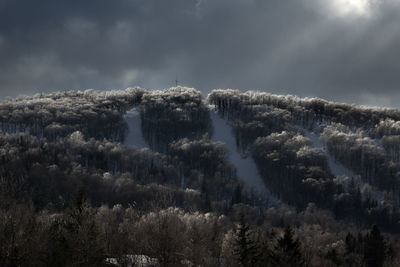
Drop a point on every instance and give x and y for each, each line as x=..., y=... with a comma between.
x=245, y=248
x=354, y=248
x=351, y=243
x=390, y=252
x=263, y=240
x=374, y=248
x=334, y=257
x=75, y=237
x=288, y=250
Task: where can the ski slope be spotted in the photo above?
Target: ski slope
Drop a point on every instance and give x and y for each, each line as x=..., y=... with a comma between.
x=336, y=168
x=341, y=171
x=246, y=167
x=134, y=137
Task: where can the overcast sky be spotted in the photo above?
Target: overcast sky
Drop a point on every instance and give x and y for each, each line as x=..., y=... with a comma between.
x=342, y=50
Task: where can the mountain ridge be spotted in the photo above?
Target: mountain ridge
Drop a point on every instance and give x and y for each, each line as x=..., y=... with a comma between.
x=158, y=154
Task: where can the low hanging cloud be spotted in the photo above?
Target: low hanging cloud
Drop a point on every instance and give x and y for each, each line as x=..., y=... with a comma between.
x=341, y=50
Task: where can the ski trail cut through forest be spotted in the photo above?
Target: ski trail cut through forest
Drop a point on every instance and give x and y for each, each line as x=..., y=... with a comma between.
x=134, y=136
x=245, y=167
x=336, y=168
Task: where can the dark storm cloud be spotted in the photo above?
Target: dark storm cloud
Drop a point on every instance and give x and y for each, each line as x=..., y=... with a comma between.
x=299, y=47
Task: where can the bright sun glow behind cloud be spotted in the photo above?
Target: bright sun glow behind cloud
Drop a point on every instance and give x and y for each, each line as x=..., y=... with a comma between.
x=352, y=7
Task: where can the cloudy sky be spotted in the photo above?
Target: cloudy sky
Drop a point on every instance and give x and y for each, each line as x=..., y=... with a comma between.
x=342, y=50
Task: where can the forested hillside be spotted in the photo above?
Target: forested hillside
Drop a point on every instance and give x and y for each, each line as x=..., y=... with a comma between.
x=274, y=129
x=74, y=193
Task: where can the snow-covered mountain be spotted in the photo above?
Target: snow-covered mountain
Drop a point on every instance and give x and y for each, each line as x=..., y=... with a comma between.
x=230, y=147
x=129, y=176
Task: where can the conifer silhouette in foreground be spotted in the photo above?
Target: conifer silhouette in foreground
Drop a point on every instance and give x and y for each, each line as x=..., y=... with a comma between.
x=246, y=249
x=374, y=248
x=288, y=250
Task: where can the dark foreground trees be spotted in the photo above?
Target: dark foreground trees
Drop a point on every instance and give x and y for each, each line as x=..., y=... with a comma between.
x=179, y=206
x=74, y=237
x=246, y=250
x=87, y=236
x=375, y=248
x=288, y=250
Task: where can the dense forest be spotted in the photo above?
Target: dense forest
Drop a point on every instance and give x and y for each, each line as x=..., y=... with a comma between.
x=73, y=194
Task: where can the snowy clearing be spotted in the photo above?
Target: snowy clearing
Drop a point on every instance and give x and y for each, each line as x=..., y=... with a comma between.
x=246, y=167
x=134, y=136
x=341, y=172
x=336, y=168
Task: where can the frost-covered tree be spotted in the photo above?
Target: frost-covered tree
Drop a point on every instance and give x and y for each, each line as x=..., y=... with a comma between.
x=172, y=114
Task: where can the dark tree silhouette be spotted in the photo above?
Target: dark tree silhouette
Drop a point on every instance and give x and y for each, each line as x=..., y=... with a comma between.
x=374, y=248
x=245, y=248
x=75, y=237
x=288, y=250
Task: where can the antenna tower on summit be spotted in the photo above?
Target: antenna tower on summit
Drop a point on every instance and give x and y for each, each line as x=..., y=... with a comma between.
x=176, y=80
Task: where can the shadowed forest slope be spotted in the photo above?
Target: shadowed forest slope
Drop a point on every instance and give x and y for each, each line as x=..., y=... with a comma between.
x=174, y=179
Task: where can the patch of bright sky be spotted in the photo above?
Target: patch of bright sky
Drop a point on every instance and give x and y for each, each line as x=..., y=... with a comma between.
x=352, y=7
x=349, y=8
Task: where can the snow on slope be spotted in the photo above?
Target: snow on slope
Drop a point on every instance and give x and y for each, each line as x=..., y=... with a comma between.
x=341, y=171
x=134, y=137
x=336, y=168
x=246, y=167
